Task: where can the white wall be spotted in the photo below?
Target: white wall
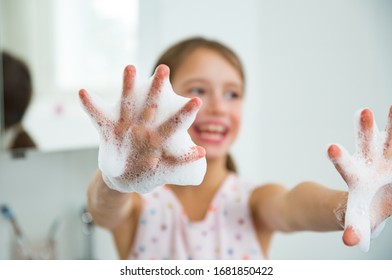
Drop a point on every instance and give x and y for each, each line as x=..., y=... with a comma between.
x=310, y=66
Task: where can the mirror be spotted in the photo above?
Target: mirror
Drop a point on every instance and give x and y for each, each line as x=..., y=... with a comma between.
x=64, y=45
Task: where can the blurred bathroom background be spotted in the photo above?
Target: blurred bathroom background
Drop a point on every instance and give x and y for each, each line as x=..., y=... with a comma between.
x=310, y=65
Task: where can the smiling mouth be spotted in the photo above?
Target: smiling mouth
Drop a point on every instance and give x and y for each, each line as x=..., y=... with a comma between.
x=214, y=133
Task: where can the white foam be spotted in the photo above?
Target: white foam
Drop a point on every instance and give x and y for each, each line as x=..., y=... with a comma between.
x=116, y=157
x=367, y=177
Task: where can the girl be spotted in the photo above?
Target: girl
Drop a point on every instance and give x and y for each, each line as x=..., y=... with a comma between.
x=225, y=217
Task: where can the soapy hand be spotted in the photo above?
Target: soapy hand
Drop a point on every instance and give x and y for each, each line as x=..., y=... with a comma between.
x=368, y=174
x=143, y=141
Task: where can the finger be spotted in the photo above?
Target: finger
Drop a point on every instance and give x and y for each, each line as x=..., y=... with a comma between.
x=91, y=107
x=194, y=153
x=388, y=142
x=128, y=84
x=171, y=125
x=350, y=237
x=161, y=73
x=365, y=143
x=343, y=164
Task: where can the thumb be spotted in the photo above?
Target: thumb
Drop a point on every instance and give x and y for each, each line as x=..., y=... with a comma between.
x=350, y=237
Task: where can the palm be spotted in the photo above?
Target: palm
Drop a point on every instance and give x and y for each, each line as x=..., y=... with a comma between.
x=368, y=174
x=131, y=139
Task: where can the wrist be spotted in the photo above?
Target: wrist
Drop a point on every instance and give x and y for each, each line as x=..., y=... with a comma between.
x=339, y=208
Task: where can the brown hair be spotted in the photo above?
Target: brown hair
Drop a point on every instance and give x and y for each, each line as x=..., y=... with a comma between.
x=17, y=89
x=174, y=56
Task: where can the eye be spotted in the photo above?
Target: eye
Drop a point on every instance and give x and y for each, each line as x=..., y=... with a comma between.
x=196, y=91
x=232, y=95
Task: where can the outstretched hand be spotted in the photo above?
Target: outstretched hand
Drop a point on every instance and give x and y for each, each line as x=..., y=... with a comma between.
x=133, y=143
x=368, y=174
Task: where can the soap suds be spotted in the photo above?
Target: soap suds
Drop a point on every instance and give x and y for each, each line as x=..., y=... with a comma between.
x=144, y=141
x=366, y=172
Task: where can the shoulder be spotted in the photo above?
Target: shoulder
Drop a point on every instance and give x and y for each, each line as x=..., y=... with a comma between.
x=259, y=194
x=256, y=191
x=265, y=194
x=242, y=183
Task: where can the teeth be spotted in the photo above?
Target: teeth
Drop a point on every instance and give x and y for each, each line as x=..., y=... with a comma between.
x=212, y=128
x=211, y=136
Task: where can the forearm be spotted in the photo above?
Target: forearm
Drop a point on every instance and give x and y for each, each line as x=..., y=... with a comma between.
x=108, y=207
x=310, y=206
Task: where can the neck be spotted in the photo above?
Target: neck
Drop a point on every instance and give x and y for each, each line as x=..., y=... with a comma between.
x=216, y=172
x=196, y=200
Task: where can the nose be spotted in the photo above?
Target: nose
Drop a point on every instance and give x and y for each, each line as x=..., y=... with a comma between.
x=215, y=104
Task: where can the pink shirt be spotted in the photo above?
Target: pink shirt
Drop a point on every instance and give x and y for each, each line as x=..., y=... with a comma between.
x=227, y=231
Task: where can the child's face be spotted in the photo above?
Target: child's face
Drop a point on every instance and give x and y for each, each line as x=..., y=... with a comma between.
x=209, y=76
